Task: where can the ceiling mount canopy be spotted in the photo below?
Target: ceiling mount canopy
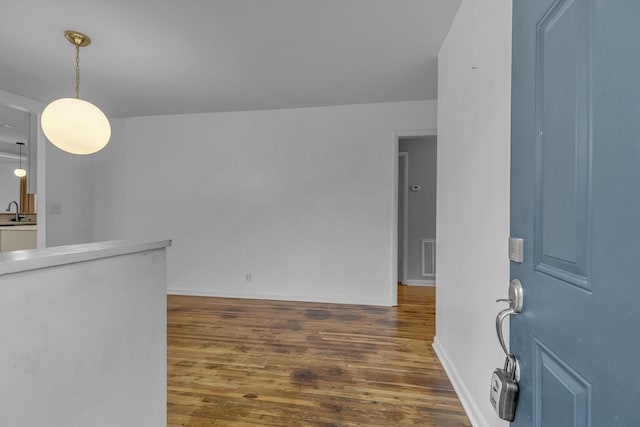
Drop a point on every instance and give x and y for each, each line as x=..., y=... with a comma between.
x=73, y=124
x=77, y=38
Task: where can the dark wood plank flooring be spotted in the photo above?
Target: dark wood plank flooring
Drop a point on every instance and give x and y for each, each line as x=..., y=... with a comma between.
x=238, y=362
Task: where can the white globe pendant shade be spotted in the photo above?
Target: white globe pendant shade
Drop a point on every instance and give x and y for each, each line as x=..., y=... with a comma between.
x=19, y=172
x=76, y=126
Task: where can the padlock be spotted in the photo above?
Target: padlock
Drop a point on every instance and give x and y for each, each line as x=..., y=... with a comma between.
x=503, y=393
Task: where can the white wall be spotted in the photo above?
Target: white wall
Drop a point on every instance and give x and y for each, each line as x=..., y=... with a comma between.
x=69, y=207
x=9, y=183
x=17, y=131
x=300, y=198
x=473, y=198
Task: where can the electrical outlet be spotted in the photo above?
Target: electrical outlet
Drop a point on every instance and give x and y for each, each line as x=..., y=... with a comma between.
x=247, y=277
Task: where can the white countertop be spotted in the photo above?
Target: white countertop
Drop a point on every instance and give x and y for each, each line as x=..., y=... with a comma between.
x=33, y=259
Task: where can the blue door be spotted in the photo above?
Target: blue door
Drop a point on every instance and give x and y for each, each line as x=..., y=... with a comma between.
x=575, y=199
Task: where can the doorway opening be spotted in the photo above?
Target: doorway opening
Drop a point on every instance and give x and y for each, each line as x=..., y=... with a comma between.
x=414, y=206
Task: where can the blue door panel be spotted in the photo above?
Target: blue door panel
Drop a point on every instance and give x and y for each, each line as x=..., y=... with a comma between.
x=575, y=199
x=562, y=144
x=562, y=392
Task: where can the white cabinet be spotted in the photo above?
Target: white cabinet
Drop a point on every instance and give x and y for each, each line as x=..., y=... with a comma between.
x=17, y=237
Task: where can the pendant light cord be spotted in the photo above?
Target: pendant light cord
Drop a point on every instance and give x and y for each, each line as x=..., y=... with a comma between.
x=77, y=71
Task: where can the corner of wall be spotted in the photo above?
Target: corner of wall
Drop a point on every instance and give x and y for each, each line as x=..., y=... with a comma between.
x=474, y=86
x=469, y=403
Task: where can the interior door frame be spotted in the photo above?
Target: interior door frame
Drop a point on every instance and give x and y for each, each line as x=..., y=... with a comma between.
x=34, y=107
x=395, y=152
x=403, y=157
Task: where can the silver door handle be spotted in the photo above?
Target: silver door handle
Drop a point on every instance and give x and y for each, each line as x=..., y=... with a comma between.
x=499, y=319
x=515, y=307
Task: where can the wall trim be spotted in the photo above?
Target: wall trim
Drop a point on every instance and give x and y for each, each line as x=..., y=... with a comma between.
x=404, y=157
x=28, y=105
x=418, y=133
x=431, y=282
x=468, y=403
x=330, y=299
x=395, y=151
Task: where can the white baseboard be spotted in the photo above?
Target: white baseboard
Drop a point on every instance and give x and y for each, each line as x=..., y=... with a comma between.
x=421, y=282
x=332, y=299
x=468, y=403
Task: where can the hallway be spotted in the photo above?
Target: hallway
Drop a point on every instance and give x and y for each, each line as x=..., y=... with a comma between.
x=236, y=362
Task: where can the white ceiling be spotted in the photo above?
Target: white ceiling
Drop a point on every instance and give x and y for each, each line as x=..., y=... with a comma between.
x=168, y=57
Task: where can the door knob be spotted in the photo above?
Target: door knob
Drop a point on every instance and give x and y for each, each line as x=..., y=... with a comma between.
x=515, y=299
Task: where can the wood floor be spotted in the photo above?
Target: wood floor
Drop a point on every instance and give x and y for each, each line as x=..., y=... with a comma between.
x=234, y=362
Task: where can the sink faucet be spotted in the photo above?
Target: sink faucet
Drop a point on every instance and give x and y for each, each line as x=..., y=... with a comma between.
x=17, y=218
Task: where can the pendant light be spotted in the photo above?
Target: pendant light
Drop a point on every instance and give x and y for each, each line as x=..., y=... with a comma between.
x=20, y=172
x=73, y=124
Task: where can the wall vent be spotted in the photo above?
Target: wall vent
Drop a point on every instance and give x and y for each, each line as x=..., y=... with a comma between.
x=428, y=252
